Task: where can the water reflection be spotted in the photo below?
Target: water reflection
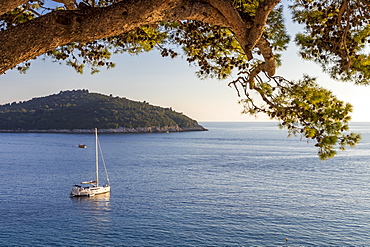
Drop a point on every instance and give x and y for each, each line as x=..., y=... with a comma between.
x=100, y=197
x=98, y=202
x=96, y=207
x=92, y=215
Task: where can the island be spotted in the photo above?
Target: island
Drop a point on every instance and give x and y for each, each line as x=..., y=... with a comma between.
x=80, y=111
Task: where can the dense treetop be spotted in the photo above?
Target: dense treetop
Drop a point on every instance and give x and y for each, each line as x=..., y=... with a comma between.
x=79, y=109
x=246, y=37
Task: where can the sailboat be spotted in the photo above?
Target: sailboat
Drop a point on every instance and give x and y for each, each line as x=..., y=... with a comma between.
x=91, y=188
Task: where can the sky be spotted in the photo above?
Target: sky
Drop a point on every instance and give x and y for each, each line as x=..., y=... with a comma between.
x=172, y=83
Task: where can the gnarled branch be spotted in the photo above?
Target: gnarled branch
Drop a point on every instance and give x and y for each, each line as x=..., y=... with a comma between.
x=258, y=26
x=36, y=37
x=29, y=40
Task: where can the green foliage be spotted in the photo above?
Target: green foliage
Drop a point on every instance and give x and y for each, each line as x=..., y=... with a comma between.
x=305, y=109
x=213, y=49
x=94, y=55
x=336, y=37
x=19, y=15
x=276, y=33
x=142, y=39
x=97, y=54
x=246, y=6
x=83, y=110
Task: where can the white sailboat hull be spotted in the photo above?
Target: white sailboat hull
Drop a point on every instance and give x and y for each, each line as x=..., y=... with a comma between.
x=89, y=191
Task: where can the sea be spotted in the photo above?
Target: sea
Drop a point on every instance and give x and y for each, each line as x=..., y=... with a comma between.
x=238, y=184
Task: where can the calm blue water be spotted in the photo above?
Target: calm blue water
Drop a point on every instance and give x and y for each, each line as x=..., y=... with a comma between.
x=239, y=184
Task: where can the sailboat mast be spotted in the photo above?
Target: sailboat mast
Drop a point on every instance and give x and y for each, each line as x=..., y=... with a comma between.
x=96, y=157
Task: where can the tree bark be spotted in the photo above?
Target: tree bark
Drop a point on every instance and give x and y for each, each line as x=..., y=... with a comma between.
x=8, y=5
x=29, y=40
x=259, y=23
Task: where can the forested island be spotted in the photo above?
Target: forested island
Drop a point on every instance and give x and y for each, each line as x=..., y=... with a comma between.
x=82, y=111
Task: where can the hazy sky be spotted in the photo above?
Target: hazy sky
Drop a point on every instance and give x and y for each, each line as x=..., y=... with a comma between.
x=169, y=83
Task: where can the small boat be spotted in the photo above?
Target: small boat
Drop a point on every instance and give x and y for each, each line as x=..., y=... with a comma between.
x=81, y=145
x=91, y=188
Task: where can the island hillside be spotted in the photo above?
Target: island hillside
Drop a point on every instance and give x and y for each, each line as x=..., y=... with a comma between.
x=82, y=111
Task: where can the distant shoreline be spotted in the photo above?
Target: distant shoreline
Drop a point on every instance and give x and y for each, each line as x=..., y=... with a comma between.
x=153, y=129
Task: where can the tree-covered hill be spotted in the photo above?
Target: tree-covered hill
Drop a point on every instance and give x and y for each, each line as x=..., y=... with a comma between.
x=80, y=109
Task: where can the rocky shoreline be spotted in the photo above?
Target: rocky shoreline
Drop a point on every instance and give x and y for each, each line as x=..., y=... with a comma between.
x=153, y=129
